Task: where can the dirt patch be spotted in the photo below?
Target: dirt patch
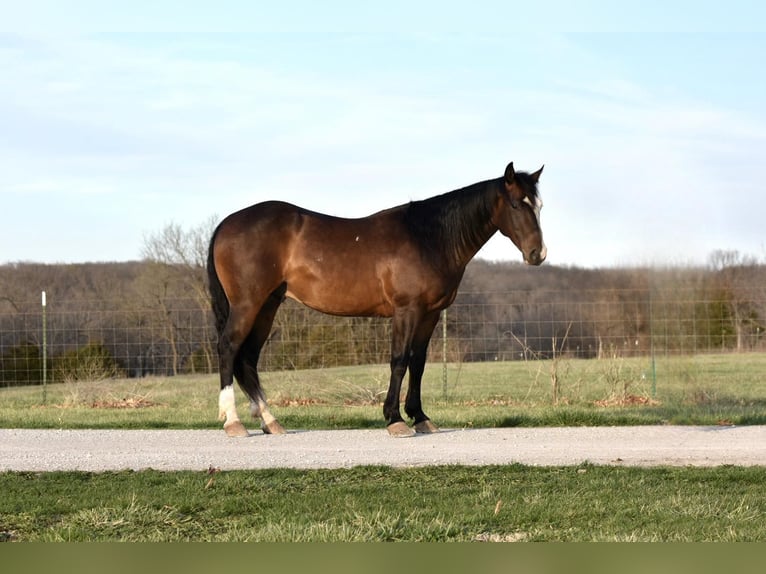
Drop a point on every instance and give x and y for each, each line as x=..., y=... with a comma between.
x=492, y=537
x=493, y=402
x=296, y=402
x=124, y=403
x=627, y=401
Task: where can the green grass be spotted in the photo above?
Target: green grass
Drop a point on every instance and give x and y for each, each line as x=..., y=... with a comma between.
x=714, y=389
x=508, y=503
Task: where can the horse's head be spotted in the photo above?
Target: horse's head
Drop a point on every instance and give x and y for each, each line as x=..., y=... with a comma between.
x=518, y=214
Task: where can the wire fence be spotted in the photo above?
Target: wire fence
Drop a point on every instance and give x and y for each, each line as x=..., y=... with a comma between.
x=75, y=340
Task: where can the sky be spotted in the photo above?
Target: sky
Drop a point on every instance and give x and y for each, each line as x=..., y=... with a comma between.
x=650, y=119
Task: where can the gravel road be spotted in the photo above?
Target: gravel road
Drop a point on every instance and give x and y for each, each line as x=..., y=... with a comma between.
x=104, y=450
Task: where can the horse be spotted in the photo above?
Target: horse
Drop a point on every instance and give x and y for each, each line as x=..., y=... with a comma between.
x=405, y=263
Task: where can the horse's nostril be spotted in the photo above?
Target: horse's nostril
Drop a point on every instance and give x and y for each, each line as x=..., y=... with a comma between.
x=535, y=257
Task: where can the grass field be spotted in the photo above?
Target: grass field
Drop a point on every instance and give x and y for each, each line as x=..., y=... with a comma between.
x=714, y=389
x=490, y=504
x=495, y=504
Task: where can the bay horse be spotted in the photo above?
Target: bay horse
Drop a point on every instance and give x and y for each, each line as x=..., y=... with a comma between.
x=405, y=262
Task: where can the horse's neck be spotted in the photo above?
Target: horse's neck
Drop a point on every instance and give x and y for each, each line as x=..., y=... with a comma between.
x=475, y=226
x=469, y=249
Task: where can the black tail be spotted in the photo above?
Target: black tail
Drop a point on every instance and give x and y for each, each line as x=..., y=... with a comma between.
x=218, y=299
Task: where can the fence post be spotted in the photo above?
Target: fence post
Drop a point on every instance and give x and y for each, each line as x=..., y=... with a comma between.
x=651, y=342
x=444, y=354
x=45, y=351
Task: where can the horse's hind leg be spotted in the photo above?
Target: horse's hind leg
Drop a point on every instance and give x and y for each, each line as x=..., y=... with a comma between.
x=246, y=363
x=230, y=341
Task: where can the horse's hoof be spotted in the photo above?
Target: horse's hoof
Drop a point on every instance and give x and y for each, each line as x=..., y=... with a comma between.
x=426, y=427
x=273, y=428
x=400, y=430
x=235, y=429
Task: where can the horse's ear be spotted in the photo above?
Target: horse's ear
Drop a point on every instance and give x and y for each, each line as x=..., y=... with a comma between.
x=510, y=174
x=512, y=191
x=536, y=176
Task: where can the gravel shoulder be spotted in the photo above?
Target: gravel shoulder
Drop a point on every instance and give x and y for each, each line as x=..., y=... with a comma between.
x=111, y=450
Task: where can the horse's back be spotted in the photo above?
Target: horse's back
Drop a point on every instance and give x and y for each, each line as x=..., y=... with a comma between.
x=259, y=215
x=365, y=266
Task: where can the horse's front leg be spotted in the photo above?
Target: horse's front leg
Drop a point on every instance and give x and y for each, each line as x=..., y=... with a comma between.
x=394, y=422
x=413, y=405
x=403, y=329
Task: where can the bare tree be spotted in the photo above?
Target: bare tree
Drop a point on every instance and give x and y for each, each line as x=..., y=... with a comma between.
x=732, y=271
x=178, y=257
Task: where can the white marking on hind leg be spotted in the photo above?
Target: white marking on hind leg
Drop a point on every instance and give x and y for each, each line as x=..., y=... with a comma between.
x=227, y=409
x=227, y=412
x=269, y=424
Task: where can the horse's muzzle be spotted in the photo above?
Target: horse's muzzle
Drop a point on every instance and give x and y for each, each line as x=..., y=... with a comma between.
x=536, y=256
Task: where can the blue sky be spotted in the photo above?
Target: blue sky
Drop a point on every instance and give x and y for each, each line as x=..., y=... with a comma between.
x=650, y=119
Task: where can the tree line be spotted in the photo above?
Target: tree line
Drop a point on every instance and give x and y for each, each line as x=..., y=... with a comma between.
x=151, y=317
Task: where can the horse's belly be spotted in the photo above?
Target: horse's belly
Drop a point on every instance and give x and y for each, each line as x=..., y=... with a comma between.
x=351, y=299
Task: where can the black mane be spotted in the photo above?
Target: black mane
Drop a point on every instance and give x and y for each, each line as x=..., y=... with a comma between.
x=450, y=223
x=446, y=224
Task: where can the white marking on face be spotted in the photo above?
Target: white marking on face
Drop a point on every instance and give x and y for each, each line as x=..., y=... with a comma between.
x=536, y=205
x=538, y=208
